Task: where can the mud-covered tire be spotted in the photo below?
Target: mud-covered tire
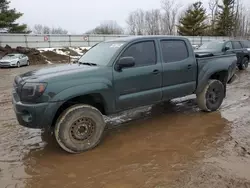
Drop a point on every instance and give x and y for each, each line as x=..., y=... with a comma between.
x=68, y=125
x=211, y=97
x=244, y=63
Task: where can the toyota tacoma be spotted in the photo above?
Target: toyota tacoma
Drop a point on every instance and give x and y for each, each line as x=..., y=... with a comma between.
x=115, y=76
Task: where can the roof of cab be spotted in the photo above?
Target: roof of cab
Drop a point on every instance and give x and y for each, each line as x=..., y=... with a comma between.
x=133, y=38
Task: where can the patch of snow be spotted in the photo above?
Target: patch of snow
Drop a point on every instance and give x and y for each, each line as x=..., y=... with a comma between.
x=83, y=48
x=59, y=51
x=79, y=50
x=48, y=62
x=45, y=49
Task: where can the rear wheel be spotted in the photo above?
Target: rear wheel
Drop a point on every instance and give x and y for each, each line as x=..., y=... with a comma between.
x=211, y=98
x=79, y=128
x=244, y=63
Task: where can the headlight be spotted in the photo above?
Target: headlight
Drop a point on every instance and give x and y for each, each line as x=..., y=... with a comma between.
x=32, y=91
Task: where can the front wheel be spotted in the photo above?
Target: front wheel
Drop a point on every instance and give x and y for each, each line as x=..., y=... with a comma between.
x=79, y=128
x=28, y=63
x=18, y=64
x=211, y=98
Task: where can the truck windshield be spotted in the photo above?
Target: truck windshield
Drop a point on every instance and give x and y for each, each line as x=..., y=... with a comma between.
x=102, y=53
x=216, y=45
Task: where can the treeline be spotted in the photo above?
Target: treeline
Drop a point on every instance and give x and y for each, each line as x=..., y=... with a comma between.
x=222, y=18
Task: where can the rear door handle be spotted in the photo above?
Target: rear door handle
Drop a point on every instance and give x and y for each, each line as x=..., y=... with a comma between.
x=156, y=71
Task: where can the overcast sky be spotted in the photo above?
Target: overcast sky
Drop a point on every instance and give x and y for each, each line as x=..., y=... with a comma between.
x=78, y=16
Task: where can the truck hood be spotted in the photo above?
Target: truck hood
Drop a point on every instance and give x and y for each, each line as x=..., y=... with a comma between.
x=49, y=72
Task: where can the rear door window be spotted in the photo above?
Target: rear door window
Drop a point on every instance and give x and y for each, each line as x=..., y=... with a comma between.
x=236, y=45
x=174, y=50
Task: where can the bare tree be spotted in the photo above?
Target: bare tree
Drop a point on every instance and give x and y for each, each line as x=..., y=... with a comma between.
x=107, y=27
x=136, y=22
x=213, y=6
x=152, y=22
x=59, y=30
x=169, y=18
x=241, y=22
x=43, y=29
x=131, y=22
x=46, y=30
x=38, y=29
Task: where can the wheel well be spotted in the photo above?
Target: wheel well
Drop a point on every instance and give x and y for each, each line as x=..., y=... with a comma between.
x=247, y=56
x=221, y=76
x=95, y=100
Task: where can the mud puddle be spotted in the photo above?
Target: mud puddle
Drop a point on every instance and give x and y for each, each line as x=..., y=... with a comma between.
x=167, y=145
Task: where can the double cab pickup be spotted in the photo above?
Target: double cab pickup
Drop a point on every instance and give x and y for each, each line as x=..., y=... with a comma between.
x=115, y=76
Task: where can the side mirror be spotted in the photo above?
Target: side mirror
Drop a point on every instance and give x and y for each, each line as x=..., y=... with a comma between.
x=125, y=62
x=226, y=48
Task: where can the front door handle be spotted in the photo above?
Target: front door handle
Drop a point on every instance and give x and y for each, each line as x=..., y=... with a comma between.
x=156, y=71
x=189, y=66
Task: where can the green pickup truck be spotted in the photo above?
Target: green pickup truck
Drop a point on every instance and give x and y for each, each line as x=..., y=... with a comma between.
x=114, y=76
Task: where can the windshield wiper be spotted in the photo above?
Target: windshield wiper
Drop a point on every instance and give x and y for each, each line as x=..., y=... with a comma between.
x=87, y=63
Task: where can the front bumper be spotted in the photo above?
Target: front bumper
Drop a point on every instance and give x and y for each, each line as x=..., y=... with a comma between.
x=7, y=65
x=37, y=116
x=29, y=115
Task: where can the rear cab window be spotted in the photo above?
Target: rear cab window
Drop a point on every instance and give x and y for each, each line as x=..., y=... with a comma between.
x=143, y=52
x=174, y=50
x=245, y=43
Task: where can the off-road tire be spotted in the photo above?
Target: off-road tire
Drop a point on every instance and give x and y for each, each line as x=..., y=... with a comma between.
x=213, y=87
x=66, y=138
x=244, y=63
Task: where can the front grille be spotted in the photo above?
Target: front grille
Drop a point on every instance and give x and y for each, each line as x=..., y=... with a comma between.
x=4, y=63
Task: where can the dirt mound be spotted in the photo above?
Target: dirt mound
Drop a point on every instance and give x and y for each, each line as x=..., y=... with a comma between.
x=54, y=57
x=70, y=52
x=84, y=51
x=35, y=56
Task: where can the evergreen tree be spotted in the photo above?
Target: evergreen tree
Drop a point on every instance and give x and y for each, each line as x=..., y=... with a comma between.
x=225, y=19
x=192, y=23
x=8, y=17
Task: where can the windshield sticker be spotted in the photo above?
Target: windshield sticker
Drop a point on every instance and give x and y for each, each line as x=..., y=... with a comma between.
x=116, y=45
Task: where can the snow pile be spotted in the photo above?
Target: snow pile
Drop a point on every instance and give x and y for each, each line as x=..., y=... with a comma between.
x=69, y=51
x=73, y=53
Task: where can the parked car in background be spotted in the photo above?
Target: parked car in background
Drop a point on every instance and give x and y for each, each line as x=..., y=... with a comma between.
x=240, y=47
x=14, y=60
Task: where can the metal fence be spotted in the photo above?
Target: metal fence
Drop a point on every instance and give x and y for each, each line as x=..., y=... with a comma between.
x=55, y=41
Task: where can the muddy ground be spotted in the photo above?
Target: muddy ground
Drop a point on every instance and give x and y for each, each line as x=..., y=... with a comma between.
x=163, y=146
